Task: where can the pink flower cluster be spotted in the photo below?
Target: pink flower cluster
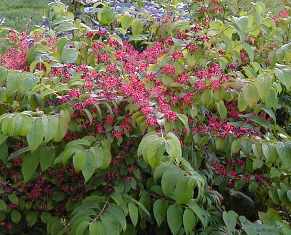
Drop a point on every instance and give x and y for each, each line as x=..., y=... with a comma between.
x=212, y=77
x=15, y=57
x=222, y=129
x=136, y=90
x=125, y=68
x=230, y=173
x=283, y=14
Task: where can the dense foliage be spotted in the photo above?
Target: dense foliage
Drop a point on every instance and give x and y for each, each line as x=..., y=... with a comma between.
x=22, y=14
x=115, y=122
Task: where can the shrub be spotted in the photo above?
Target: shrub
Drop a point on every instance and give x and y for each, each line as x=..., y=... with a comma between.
x=182, y=129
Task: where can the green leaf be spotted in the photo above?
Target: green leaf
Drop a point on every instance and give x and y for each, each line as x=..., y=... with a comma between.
x=13, y=198
x=270, y=153
x=18, y=125
x=174, y=218
x=146, y=142
x=266, y=92
x=52, y=130
x=136, y=27
x=96, y=228
x=284, y=153
x=110, y=226
x=106, y=16
x=189, y=221
x=275, y=173
x=184, y=189
x=241, y=24
x=104, y=154
x=79, y=160
x=269, y=217
x=235, y=147
x=169, y=181
x=289, y=195
x=242, y=104
x=82, y=227
x=29, y=165
x=160, y=210
x=250, y=50
x=3, y=138
x=36, y=134
x=270, y=113
x=118, y=214
x=283, y=51
x=140, y=205
x=173, y=146
x=184, y=119
x=220, y=144
x=153, y=154
x=8, y=125
x=251, y=95
x=46, y=157
x=125, y=21
x=200, y=212
x=284, y=75
x=230, y=219
x=26, y=123
x=20, y=82
x=260, y=121
x=12, y=82
x=263, y=84
x=15, y=216
x=3, y=152
x=69, y=55
x=63, y=123
x=65, y=26
x=152, y=149
x=31, y=218
x=90, y=166
x=221, y=109
x=133, y=213
x=3, y=206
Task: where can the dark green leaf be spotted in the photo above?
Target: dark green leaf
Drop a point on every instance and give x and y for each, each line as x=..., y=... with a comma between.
x=160, y=210
x=29, y=165
x=36, y=134
x=200, y=212
x=221, y=109
x=230, y=219
x=118, y=215
x=173, y=146
x=284, y=153
x=184, y=189
x=133, y=213
x=69, y=55
x=79, y=160
x=31, y=218
x=174, y=218
x=15, y=216
x=3, y=152
x=82, y=227
x=251, y=95
x=106, y=16
x=3, y=206
x=189, y=221
x=96, y=228
x=125, y=21
x=136, y=27
x=47, y=156
x=90, y=165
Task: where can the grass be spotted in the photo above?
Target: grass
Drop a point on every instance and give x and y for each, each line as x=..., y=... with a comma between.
x=21, y=13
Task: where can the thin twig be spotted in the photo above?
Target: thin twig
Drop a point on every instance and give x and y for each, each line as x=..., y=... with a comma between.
x=101, y=212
